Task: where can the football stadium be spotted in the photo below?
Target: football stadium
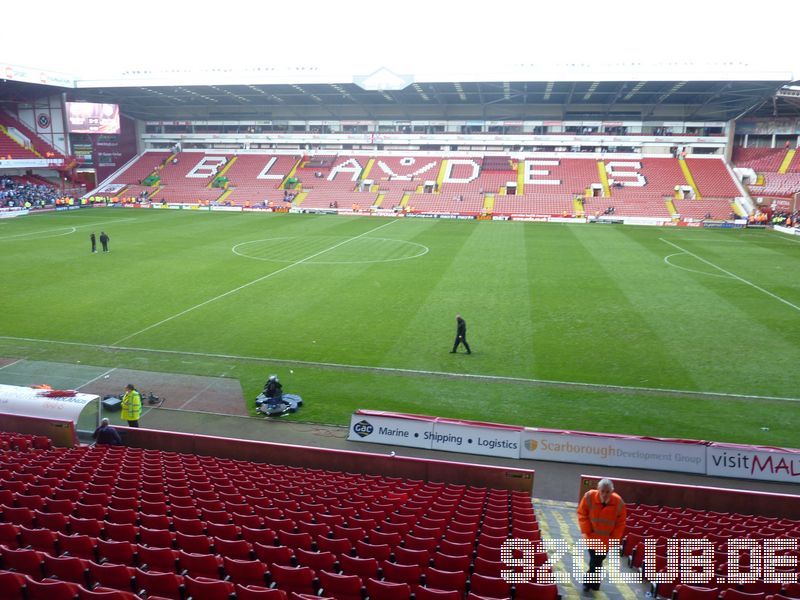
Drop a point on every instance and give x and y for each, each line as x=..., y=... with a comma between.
x=354, y=330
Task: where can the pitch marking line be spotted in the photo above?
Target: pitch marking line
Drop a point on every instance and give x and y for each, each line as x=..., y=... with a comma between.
x=733, y=275
x=413, y=372
x=672, y=264
x=19, y=360
x=67, y=230
x=96, y=378
x=258, y=280
x=236, y=251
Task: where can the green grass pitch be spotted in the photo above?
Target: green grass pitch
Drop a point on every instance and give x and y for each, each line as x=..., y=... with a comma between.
x=651, y=331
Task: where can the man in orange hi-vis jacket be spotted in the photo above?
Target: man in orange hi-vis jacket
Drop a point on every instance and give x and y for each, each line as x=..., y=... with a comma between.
x=601, y=515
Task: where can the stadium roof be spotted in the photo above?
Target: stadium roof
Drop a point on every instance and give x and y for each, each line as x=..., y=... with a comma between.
x=711, y=92
x=572, y=91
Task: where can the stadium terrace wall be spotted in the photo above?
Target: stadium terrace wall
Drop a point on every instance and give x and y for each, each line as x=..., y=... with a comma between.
x=61, y=432
x=699, y=497
x=334, y=460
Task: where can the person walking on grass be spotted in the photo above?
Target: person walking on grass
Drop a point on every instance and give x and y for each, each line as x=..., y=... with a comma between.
x=93, y=240
x=104, y=239
x=461, y=335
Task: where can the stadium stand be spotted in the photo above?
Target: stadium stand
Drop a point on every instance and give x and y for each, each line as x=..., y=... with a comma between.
x=664, y=523
x=707, y=208
x=145, y=165
x=321, y=531
x=10, y=149
x=761, y=160
x=257, y=178
x=39, y=147
x=427, y=184
x=188, y=176
x=712, y=178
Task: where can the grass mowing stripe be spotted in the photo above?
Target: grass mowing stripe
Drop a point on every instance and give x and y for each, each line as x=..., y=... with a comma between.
x=413, y=372
x=733, y=275
x=241, y=287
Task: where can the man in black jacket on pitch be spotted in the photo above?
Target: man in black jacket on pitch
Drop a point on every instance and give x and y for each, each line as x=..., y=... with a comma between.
x=461, y=335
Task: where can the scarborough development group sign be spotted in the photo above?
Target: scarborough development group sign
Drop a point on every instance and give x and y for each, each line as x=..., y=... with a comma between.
x=491, y=439
x=614, y=450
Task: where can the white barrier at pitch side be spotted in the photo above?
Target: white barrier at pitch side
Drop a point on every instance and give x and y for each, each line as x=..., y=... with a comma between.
x=529, y=443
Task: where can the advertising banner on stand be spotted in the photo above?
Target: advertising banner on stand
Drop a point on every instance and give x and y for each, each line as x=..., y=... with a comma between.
x=662, y=454
x=754, y=462
x=390, y=428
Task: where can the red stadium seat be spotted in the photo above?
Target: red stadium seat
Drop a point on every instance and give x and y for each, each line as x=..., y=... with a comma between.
x=252, y=592
x=434, y=594
x=341, y=587
x=12, y=586
x=23, y=560
x=245, y=572
x=165, y=585
x=690, y=592
x=48, y=589
x=121, y=553
x=410, y=574
x=385, y=590
x=202, y=588
x=536, y=591
x=66, y=568
x=200, y=565
x=199, y=544
x=118, y=577
x=280, y=555
x=157, y=559
x=301, y=580
x=104, y=593
x=405, y=556
x=363, y=567
x=446, y=580
x=319, y=561
x=489, y=587
x=379, y=552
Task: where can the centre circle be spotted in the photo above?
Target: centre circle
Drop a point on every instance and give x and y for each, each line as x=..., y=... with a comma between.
x=329, y=250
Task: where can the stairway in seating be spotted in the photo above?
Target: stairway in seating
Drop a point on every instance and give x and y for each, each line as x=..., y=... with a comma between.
x=601, y=171
x=689, y=179
x=368, y=169
x=488, y=204
x=787, y=160
x=440, y=176
x=671, y=208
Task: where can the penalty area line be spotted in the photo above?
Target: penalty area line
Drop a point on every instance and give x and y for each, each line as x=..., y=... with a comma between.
x=598, y=387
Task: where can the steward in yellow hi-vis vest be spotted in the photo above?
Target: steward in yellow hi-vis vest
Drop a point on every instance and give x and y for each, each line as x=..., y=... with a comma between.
x=131, y=406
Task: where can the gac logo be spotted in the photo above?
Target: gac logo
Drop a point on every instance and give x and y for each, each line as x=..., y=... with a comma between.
x=363, y=428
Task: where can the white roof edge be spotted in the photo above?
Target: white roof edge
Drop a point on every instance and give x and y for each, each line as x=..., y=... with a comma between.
x=310, y=74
